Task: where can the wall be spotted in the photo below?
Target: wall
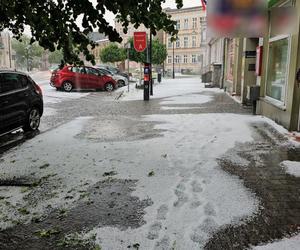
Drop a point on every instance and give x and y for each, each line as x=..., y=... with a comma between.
x=286, y=114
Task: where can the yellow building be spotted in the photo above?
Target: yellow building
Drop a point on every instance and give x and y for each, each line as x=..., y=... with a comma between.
x=188, y=49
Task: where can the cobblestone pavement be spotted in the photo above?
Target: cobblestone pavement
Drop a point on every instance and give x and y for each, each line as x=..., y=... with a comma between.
x=279, y=192
x=260, y=171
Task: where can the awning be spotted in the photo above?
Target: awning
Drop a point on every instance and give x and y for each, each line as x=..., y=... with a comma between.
x=271, y=3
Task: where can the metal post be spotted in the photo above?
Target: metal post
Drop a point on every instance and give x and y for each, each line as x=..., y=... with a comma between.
x=150, y=57
x=173, y=61
x=128, y=49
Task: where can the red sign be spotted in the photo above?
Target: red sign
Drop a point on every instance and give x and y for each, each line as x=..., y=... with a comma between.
x=140, y=41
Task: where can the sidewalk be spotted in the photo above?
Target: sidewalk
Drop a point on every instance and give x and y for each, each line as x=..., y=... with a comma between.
x=190, y=169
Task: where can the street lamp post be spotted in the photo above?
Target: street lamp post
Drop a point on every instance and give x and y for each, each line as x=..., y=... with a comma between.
x=128, y=46
x=173, y=61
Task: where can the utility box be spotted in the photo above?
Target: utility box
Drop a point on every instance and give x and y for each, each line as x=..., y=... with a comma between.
x=253, y=93
x=159, y=77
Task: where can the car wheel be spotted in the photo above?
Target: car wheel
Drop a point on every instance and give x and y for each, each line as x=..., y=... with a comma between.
x=33, y=120
x=109, y=87
x=67, y=86
x=121, y=83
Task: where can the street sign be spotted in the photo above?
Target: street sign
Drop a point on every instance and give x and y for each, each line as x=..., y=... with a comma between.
x=140, y=41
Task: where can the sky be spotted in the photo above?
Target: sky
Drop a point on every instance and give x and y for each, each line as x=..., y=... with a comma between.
x=110, y=16
x=168, y=3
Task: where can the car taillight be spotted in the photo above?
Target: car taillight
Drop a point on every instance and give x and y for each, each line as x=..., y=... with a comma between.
x=38, y=89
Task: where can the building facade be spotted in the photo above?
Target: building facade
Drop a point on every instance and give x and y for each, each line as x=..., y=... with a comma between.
x=101, y=44
x=186, y=53
x=7, y=56
x=279, y=86
x=271, y=63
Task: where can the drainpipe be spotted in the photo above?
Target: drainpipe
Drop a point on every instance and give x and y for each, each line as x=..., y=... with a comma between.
x=223, y=63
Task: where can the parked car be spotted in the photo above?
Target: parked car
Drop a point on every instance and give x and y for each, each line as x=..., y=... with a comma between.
x=74, y=77
x=114, y=70
x=121, y=80
x=21, y=102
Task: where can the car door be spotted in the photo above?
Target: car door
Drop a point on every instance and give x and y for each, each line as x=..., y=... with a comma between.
x=13, y=100
x=94, y=78
x=79, y=77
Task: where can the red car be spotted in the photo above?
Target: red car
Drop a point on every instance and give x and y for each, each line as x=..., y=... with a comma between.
x=75, y=77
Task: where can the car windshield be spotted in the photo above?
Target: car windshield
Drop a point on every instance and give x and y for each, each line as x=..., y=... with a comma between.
x=150, y=124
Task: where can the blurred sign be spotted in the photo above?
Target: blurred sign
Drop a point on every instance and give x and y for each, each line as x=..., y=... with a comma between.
x=140, y=41
x=237, y=18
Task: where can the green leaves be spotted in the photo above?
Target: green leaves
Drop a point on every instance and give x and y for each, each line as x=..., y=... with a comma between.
x=55, y=22
x=112, y=53
x=159, y=53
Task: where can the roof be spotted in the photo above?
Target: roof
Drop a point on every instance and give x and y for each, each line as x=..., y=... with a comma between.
x=195, y=8
x=11, y=71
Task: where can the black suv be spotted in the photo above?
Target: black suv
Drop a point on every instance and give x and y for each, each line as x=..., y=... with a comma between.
x=21, y=102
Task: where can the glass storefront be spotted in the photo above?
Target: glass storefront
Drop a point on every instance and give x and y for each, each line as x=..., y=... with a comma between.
x=278, y=69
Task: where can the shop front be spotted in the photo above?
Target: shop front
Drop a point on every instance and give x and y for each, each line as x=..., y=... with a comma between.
x=280, y=92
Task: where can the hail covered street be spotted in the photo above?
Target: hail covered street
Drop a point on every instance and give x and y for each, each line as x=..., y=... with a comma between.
x=190, y=169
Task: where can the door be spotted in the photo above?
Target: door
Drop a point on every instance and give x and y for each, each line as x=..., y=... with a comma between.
x=80, y=78
x=95, y=78
x=13, y=100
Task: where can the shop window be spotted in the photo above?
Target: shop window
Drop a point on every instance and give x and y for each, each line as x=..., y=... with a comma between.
x=278, y=58
x=277, y=71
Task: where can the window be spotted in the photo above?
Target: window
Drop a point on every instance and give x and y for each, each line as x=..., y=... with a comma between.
x=10, y=82
x=278, y=60
x=194, y=59
x=78, y=70
x=185, y=59
x=203, y=35
x=178, y=24
x=186, y=24
x=169, y=43
x=193, y=41
x=186, y=42
x=92, y=71
x=277, y=68
x=169, y=59
x=177, y=59
x=194, y=22
x=23, y=80
x=178, y=43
